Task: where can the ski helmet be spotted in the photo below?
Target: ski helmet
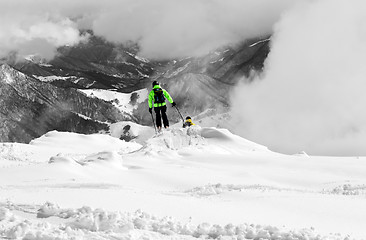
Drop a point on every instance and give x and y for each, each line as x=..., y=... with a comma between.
x=155, y=83
x=188, y=117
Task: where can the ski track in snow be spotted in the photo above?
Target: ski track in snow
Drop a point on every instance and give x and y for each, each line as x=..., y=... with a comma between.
x=211, y=183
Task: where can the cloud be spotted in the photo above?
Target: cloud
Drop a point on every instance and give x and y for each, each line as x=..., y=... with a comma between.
x=28, y=28
x=176, y=28
x=311, y=95
x=163, y=29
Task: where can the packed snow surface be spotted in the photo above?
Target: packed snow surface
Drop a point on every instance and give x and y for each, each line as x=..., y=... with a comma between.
x=181, y=184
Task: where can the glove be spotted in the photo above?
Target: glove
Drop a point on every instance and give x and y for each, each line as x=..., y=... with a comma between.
x=173, y=104
x=150, y=110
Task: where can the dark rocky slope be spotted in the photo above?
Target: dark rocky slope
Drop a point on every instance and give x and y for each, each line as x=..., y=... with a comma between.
x=29, y=108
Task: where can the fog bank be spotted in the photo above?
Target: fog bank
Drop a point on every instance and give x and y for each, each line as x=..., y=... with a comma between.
x=163, y=29
x=311, y=94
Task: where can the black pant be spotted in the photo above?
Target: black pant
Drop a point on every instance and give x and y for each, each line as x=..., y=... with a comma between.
x=161, y=113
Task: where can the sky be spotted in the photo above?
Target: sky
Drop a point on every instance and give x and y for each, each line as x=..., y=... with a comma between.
x=164, y=29
x=311, y=95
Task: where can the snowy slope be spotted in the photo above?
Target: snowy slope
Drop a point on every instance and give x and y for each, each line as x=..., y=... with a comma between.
x=186, y=183
x=123, y=101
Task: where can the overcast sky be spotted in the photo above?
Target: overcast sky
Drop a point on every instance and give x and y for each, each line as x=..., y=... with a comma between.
x=163, y=28
x=311, y=96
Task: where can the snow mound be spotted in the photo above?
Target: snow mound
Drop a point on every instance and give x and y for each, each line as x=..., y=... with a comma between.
x=48, y=210
x=54, y=142
x=171, y=141
x=178, y=141
x=105, y=159
x=112, y=159
x=130, y=131
x=86, y=223
x=62, y=159
x=226, y=142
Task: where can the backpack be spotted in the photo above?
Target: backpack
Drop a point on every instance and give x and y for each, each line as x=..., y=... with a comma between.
x=159, y=95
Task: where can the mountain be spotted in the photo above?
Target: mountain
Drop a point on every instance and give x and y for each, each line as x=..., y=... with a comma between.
x=46, y=95
x=205, y=83
x=94, y=64
x=29, y=108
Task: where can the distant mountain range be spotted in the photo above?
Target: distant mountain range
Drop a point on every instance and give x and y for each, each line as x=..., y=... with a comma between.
x=39, y=96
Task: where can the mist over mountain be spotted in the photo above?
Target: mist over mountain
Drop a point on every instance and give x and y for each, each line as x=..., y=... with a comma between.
x=196, y=83
x=29, y=108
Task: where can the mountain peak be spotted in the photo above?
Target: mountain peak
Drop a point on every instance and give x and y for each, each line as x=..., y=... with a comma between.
x=9, y=74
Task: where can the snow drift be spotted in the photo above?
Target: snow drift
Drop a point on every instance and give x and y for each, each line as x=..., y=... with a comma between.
x=197, y=182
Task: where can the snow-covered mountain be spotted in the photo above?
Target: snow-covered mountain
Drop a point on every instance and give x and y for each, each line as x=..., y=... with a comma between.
x=196, y=84
x=30, y=108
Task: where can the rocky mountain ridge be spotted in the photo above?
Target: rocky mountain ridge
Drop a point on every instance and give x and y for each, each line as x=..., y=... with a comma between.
x=41, y=96
x=29, y=108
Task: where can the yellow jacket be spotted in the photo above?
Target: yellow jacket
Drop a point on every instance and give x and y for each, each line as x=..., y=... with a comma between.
x=188, y=123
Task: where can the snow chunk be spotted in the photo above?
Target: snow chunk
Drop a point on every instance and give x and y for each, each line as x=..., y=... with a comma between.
x=48, y=210
x=5, y=214
x=98, y=220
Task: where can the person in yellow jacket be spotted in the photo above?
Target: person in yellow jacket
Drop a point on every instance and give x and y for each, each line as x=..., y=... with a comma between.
x=188, y=122
x=157, y=98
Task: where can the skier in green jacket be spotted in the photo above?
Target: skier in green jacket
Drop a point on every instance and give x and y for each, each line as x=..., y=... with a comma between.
x=158, y=96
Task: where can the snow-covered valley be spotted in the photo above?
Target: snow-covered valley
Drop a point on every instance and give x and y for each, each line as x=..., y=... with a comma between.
x=185, y=184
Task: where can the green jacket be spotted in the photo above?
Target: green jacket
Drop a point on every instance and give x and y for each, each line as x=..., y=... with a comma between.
x=152, y=94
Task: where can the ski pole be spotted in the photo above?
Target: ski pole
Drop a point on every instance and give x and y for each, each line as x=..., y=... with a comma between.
x=179, y=112
x=153, y=122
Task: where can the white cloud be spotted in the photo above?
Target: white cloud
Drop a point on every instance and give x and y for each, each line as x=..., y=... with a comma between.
x=164, y=29
x=176, y=28
x=36, y=27
x=311, y=95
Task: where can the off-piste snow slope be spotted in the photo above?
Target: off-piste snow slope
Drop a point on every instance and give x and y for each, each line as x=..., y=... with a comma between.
x=184, y=184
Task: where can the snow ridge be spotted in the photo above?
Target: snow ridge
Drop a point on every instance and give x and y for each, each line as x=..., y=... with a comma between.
x=88, y=223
